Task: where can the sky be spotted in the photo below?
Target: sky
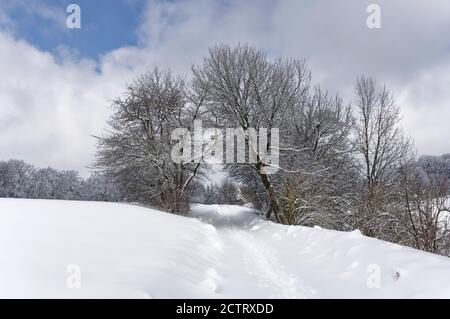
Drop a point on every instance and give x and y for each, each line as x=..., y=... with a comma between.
x=57, y=84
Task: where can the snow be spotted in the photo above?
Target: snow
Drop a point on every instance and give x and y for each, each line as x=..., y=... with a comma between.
x=128, y=251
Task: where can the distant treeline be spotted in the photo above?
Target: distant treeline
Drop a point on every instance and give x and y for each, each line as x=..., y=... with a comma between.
x=19, y=179
x=436, y=165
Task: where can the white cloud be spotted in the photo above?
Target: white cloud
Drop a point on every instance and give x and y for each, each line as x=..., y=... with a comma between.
x=48, y=110
x=426, y=114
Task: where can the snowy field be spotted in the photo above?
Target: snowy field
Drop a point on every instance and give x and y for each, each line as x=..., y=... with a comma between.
x=126, y=251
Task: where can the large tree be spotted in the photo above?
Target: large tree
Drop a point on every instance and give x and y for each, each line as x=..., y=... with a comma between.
x=248, y=91
x=137, y=147
x=318, y=186
x=384, y=151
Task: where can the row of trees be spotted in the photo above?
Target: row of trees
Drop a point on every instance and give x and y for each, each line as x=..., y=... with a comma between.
x=227, y=192
x=22, y=180
x=340, y=167
x=19, y=179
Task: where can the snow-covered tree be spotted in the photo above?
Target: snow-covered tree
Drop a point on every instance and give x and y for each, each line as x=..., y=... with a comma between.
x=101, y=187
x=68, y=185
x=318, y=185
x=435, y=164
x=21, y=180
x=15, y=178
x=44, y=184
x=426, y=211
x=246, y=90
x=137, y=148
x=384, y=151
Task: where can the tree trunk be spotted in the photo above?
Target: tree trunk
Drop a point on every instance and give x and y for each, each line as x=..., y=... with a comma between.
x=274, y=207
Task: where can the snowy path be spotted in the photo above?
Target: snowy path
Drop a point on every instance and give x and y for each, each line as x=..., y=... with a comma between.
x=266, y=260
x=244, y=252
x=127, y=251
x=262, y=263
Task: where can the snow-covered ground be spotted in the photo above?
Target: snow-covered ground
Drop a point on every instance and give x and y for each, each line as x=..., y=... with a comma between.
x=120, y=250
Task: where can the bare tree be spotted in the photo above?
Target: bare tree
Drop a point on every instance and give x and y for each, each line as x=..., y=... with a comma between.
x=15, y=179
x=137, y=147
x=246, y=90
x=384, y=150
x=426, y=210
x=319, y=187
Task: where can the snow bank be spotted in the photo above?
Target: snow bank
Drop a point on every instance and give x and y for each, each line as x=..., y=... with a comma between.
x=225, y=252
x=122, y=251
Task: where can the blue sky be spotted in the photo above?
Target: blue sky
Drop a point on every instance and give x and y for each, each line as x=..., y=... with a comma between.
x=106, y=24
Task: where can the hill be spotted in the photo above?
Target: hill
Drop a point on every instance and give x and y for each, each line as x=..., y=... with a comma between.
x=121, y=250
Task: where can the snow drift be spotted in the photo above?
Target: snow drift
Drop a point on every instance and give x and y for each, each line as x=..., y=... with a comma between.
x=127, y=251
